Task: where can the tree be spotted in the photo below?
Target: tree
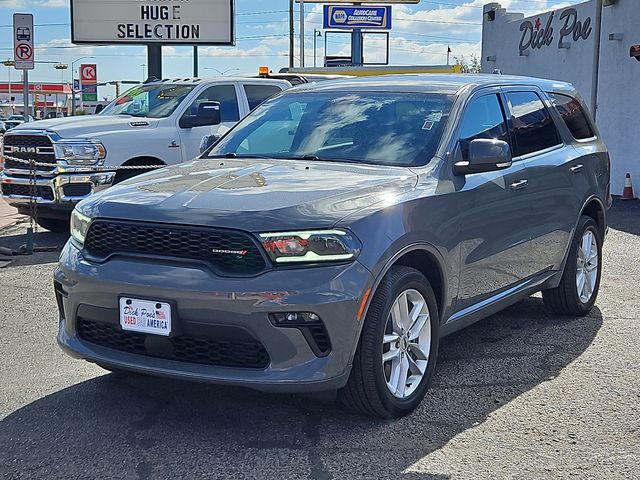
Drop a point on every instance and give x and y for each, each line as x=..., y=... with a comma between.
x=469, y=65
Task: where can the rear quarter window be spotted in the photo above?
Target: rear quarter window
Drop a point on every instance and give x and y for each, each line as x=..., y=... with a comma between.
x=573, y=115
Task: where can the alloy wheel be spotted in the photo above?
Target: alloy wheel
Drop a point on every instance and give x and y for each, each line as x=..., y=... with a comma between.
x=587, y=266
x=406, y=343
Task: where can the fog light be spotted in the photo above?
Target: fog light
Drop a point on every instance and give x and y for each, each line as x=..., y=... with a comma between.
x=294, y=318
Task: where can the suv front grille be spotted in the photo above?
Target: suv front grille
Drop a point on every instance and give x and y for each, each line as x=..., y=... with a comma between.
x=222, y=353
x=28, y=147
x=228, y=252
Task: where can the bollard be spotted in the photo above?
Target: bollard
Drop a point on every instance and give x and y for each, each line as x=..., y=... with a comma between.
x=29, y=244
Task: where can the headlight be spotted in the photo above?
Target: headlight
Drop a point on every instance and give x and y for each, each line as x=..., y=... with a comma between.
x=79, y=226
x=79, y=152
x=311, y=246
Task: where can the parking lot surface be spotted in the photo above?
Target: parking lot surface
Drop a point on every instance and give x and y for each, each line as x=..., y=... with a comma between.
x=522, y=394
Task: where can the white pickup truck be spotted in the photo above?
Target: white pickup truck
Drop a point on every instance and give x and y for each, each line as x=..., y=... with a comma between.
x=155, y=123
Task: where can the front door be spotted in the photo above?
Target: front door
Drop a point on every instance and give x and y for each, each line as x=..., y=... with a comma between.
x=190, y=138
x=495, y=248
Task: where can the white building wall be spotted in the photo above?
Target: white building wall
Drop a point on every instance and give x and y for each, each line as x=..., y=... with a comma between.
x=599, y=68
x=619, y=92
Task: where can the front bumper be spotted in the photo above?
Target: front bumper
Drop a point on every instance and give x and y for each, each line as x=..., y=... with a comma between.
x=200, y=298
x=55, y=188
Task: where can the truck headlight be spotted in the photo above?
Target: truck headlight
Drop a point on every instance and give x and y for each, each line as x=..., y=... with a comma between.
x=79, y=152
x=311, y=246
x=79, y=226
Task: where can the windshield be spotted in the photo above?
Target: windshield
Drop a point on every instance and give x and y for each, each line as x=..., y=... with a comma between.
x=155, y=101
x=362, y=127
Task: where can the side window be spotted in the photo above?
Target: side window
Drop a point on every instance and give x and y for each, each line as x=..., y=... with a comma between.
x=226, y=95
x=256, y=94
x=533, y=126
x=574, y=116
x=483, y=118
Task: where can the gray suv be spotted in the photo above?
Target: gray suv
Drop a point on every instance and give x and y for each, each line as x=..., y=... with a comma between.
x=332, y=237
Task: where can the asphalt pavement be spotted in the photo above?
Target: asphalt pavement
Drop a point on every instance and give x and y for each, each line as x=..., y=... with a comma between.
x=522, y=394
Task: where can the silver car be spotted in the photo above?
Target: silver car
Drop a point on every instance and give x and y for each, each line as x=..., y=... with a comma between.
x=332, y=237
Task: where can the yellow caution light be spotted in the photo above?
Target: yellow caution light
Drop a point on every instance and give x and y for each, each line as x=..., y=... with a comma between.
x=263, y=71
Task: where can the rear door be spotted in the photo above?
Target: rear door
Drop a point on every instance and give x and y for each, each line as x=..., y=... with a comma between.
x=495, y=248
x=552, y=200
x=225, y=93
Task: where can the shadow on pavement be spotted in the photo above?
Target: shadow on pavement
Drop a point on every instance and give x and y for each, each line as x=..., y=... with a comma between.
x=625, y=216
x=129, y=426
x=14, y=237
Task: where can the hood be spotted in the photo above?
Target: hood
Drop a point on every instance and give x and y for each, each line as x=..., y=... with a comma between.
x=89, y=126
x=252, y=195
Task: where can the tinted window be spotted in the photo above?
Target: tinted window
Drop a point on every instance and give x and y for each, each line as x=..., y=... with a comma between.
x=482, y=119
x=573, y=115
x=226, y=95
x=359, y=127
x=256, y=94
x=533, y=126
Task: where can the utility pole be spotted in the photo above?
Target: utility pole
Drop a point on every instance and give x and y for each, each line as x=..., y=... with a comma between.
x=301, y=33
x=291, y=33
x=195, y=61
x=154, y=60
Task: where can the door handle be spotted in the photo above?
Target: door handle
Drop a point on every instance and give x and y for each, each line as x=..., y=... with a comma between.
x=519, y=185
x=576, y=169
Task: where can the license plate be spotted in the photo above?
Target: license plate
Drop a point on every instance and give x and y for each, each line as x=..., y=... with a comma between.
x=145, y=316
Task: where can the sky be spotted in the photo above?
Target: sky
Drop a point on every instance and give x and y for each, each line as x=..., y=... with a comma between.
x=420, y=36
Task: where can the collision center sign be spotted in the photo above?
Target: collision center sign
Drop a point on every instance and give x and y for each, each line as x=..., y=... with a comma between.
x=339, y=16
x=190, y=22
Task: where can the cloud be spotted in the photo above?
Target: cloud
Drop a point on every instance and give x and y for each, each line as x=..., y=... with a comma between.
x=35, y=3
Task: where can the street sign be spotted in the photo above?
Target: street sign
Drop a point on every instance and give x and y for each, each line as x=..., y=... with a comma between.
x=23, y=41
x=193, y=22
x=76, y=84
x=374, y=18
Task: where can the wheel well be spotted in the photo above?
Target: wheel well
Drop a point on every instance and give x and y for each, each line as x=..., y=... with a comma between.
x=122, y=175
x=426, y=264
x=140, y=161
x=594, y=210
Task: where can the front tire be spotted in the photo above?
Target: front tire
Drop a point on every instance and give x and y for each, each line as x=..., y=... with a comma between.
x=580, y=281
x=398, y=347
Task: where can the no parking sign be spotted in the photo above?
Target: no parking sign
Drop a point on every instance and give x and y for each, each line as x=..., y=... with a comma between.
x=23, y=41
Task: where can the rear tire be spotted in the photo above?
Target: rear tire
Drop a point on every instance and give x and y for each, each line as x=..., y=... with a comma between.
x=56, y=225
x=380, y=387
x=584, y=260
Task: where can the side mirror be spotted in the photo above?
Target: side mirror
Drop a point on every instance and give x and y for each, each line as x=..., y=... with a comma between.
x=208, y=114
x=485, y=155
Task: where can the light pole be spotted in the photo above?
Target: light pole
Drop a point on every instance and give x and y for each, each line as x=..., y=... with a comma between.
x=9, y=63
x=73, y=90
x=222, y=72
x=316, y=33
x=144, y=71
x=62, y=67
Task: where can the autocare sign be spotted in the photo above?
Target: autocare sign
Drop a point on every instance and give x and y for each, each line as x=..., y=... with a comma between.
x=89, y=81
x=339, y=16
x=23, y=53
x=190, y=22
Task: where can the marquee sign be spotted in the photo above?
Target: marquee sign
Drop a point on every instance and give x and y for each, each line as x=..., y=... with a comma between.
x=189, y=22
x=537, y=35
